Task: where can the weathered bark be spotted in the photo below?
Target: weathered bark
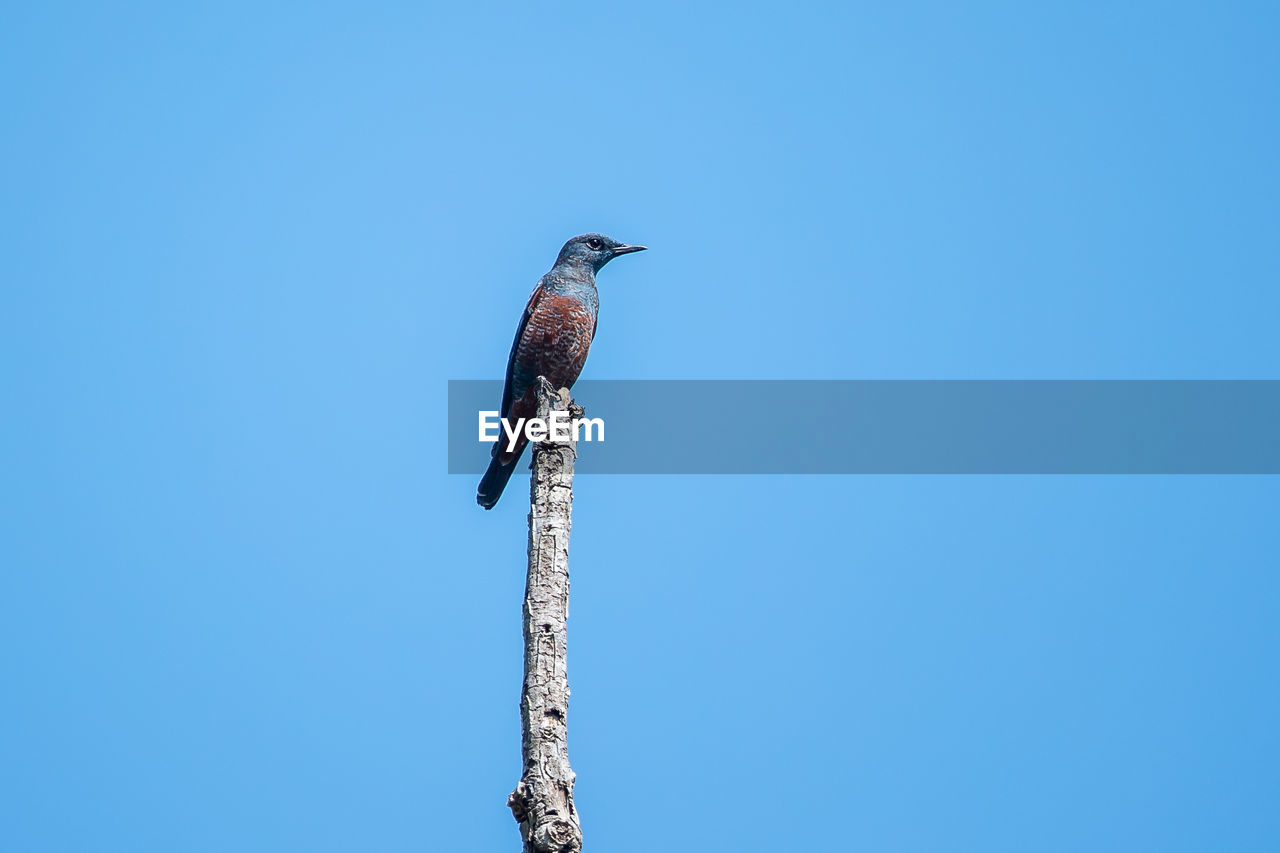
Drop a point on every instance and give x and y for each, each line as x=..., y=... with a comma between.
x=543, y=800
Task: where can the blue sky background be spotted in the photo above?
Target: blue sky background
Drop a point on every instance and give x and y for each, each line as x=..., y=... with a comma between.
x=243, y=246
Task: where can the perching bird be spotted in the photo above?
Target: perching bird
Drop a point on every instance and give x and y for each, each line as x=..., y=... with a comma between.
x=552, y=341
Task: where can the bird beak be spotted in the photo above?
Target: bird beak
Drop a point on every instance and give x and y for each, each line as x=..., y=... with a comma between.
x=626, y=250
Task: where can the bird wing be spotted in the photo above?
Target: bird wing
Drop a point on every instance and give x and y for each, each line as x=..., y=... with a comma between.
x=507, y=391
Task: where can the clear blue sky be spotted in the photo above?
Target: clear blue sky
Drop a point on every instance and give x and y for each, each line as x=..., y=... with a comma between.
x=244, y=245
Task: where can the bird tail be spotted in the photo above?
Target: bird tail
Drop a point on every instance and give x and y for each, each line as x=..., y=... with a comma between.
x=503, y=464
x=495, y=480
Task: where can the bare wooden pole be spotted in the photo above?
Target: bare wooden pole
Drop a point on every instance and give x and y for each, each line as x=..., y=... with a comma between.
x=543, y=800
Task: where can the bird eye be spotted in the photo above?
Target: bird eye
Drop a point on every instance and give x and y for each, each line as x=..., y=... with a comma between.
x=594, y=243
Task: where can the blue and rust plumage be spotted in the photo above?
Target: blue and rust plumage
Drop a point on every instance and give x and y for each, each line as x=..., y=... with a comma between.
x=552, y=340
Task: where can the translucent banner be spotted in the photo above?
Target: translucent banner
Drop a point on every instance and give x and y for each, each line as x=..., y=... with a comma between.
x=901, y=426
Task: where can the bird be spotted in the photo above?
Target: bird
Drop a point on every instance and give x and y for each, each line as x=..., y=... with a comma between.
x=552, y=340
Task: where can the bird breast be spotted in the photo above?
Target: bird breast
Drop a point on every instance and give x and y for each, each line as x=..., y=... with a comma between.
x=557, y=337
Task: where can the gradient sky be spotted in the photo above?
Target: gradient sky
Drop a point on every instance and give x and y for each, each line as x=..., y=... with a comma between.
x=244, y=246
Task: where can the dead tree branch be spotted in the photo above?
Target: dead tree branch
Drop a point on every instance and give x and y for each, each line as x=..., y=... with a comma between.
x=543, y=800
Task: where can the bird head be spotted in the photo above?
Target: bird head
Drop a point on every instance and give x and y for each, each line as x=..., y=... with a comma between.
x=594, y=251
